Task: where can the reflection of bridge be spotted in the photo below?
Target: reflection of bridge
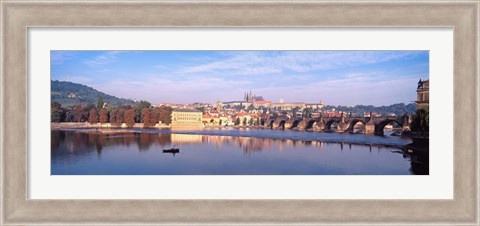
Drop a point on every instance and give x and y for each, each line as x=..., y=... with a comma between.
x=340, y=124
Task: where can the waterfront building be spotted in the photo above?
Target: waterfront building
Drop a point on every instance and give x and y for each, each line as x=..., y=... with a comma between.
x=172, y=105
x=186, y=118
x=315, y=105
x=332, y=114
x=371, y=114
x=210, y=119
x=315, y=115
x=262, y=103
x=236, y=103
x=422, y=94
x=244, y=118
x=286, y=106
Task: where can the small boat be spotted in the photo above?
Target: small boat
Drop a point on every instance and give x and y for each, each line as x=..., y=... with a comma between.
x=171, y=150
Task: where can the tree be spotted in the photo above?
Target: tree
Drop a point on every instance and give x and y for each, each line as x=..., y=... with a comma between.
x=165, y=115
x=295, y=110
x=119, y=116
x=244, y=121
x=146, y=117
x=93, y=116
x=250, y=121
x=420, y=121
x=220, y=122
x=57, y=113
x=155, y=116
x=129, y=117
x=138, y=109
x=100, y=102
x=79, y=114
x=69, y=113
x=103, y=115
x=113, y=116
x=89, y=107
x=237, y=121
x=307, y=112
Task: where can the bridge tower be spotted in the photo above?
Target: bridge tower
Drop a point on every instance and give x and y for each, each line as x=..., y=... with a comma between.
x=370, y=126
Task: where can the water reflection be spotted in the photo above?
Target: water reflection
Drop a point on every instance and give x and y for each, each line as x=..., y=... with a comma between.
x=72, y=153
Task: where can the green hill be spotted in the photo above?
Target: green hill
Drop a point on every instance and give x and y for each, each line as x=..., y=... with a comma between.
x=69, y=93
x=397, y=109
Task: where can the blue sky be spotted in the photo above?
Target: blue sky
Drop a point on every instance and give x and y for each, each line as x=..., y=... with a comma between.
x=335, y=77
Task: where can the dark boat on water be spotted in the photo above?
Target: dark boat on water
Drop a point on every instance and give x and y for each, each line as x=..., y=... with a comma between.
x=171, y=150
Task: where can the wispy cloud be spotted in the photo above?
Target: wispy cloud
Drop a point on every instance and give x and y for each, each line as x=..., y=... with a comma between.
x=265, y=62
x=336, y=77
x=242, y=63
x=160, y=66
x=159, y=89
x=105, y=58
x=351, y=89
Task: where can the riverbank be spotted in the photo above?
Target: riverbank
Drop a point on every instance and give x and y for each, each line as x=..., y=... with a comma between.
x=73, y=125
x=262, y=133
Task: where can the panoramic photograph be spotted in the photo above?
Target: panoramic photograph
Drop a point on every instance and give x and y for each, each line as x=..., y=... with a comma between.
x=265, y=112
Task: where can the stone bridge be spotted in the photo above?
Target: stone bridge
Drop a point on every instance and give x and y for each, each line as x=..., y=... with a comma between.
x=338, y=124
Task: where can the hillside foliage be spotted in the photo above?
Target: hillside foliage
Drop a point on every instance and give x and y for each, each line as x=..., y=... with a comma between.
x=70, y=94
x=359, y=110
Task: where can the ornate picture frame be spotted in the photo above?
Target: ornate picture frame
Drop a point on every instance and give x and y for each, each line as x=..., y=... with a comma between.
x=18, y=16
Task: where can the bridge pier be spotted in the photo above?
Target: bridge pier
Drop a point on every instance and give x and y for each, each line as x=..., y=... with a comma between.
x=320, y=126
x=342, y=125
x=370, y=127
x=288, y=124
x=312, y=128
x=301, y=125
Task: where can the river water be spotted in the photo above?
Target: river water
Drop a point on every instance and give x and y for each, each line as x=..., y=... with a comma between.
x=227, y=152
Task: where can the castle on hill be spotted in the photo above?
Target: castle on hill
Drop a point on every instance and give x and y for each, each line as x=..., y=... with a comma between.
x=249, y=97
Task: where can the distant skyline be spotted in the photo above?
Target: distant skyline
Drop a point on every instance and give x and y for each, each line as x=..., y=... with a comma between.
x=335, y=77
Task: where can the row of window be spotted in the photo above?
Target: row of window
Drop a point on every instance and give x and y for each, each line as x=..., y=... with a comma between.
x=187, y=119
x=188, y=114
x=192, y=123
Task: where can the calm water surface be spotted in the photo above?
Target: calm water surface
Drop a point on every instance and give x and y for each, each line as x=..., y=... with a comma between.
x=227, y=152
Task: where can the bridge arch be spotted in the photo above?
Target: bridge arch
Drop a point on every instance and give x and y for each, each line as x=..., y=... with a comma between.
x=295, y=123
x=352, y=124
x=270, y=125
x=310, y=124
x=330, y=122
x=381, y=125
